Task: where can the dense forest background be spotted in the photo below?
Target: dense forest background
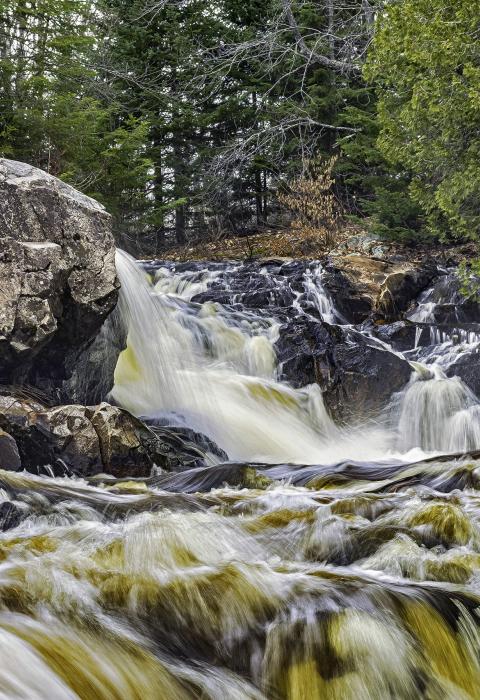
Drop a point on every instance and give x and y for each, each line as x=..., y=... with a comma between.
x=194, y=119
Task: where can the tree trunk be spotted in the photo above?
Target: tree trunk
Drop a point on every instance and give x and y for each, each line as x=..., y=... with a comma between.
x=158, y=188
x=258, y=198
x=179, y=188
x=331, y=33
x=180, y=224
x=265, y=197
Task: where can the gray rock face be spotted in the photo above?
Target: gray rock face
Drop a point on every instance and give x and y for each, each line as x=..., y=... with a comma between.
x=57, y=277
x=86, y=440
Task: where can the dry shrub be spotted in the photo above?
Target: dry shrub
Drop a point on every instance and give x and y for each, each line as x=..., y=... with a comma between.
x=311, y=200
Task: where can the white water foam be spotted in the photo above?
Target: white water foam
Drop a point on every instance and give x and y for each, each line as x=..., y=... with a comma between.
x=214, y=369
x=220, y=380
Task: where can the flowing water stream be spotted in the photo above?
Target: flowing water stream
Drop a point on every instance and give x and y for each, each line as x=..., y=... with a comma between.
x=343, y=566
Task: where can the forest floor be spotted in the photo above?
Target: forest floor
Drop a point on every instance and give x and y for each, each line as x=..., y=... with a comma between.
x=296, y=243
x=288, y=243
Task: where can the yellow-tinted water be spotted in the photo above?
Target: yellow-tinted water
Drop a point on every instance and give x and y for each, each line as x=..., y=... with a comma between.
x=368, y=589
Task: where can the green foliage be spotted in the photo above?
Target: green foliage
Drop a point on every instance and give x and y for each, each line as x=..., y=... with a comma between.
x=52, y=110
x=184, y=117
x=469, y=275
x=426, y=64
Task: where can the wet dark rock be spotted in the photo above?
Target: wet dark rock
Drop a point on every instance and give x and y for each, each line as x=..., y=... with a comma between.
x=10, y=516
x=400, y=335
x=203, y=479
x=403, y=336
x=57, y=277
x=451, y=306
x=353, y=302
x=305, y=352
x=87, y=440
x=467, y=367
x=401, y=287
x=219, y=296
x=9, y=457
x=189, y=439
x=364, y=378
x=357, y=376
x=248, y=286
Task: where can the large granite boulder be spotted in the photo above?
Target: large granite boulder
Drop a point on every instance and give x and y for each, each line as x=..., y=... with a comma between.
x=356, y=374
x=87, y=440
x=57, y=277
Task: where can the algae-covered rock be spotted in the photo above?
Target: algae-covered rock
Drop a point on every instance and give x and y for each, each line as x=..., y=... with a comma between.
x=446, y=522
x=250, y=478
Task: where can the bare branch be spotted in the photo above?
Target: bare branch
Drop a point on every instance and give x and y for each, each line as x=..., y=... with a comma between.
x=311, y=55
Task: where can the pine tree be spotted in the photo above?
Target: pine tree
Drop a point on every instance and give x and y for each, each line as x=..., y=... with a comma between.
x=426, y=65
x=53, y=110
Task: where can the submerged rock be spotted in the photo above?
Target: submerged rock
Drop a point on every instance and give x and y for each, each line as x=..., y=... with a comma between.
x=10, y=515
x=204, y=479
x=86, y=440
x=57, y=277
x=188, y=438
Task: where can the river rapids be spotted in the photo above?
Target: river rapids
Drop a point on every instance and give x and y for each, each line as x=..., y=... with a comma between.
x=343, y=565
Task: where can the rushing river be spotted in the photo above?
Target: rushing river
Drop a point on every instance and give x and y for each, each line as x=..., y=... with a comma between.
x=343, y=566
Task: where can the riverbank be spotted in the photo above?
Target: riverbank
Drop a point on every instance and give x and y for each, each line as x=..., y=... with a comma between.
x=295, y=244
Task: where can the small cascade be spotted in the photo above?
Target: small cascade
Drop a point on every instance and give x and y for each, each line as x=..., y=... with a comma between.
x=437, y=413
x=425, y=310
x=456, y=336
x=316, y=294
x=445, y=303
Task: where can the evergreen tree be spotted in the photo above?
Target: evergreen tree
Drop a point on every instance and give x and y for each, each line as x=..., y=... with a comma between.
x=53, y=110
x=426, y=65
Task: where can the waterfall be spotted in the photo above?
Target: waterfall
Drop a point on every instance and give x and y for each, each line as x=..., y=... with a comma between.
x=316, y=293
x=212, y=367
x=437, y=414
x=215, y=372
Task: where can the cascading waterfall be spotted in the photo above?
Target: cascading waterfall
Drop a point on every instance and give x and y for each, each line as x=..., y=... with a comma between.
x=213, y=368
x=215, y=372
x=437, y=414
x=316, y=293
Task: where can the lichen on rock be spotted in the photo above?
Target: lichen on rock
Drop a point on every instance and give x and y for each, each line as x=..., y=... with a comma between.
x=57, y=277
